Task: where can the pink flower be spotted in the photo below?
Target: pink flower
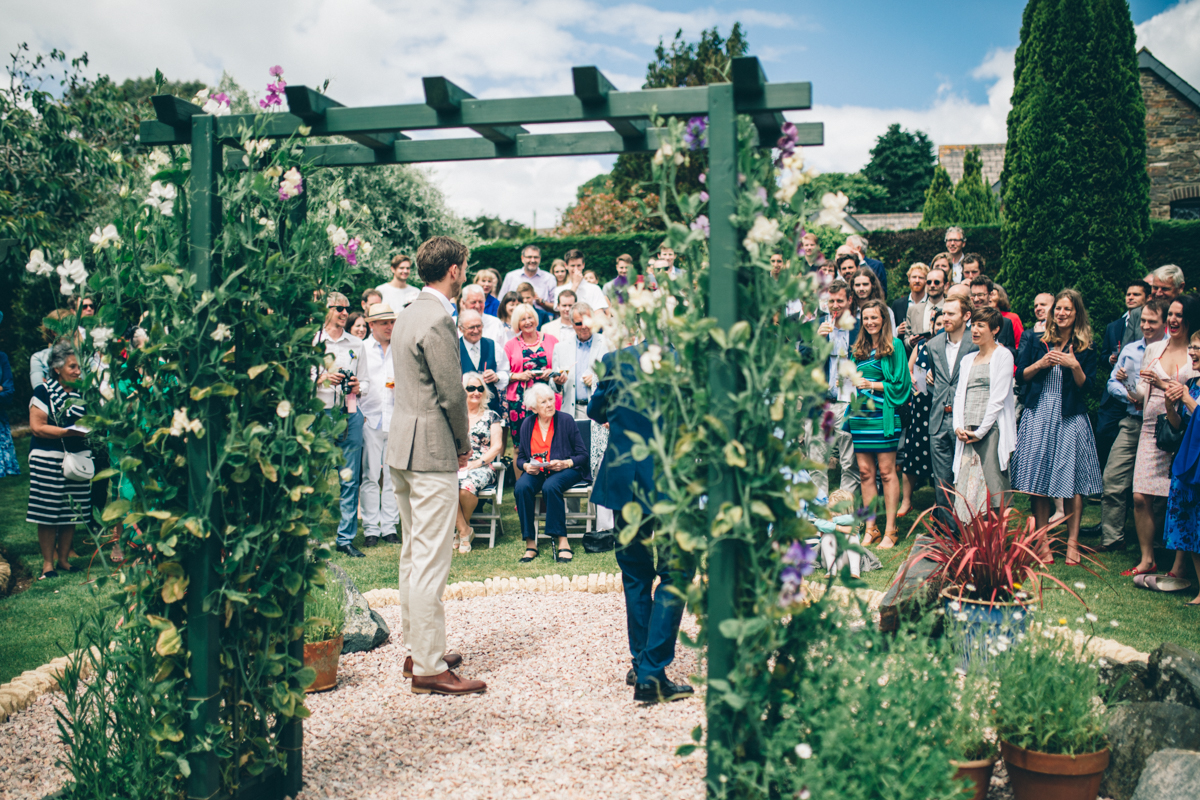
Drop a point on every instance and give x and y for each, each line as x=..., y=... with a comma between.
x=348, y=251
x=276, y=70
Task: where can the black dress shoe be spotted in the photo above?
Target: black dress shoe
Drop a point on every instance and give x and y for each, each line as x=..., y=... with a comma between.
x=664, y=691
x=370, y=541
x=1090, y=530
x=351, y=551
x=392, y=538
x=631, y=678
x=1108, y=548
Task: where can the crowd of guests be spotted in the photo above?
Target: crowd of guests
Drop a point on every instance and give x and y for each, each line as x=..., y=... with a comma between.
x=965, y=395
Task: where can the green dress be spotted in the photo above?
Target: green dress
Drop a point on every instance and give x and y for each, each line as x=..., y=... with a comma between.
x=875, y=424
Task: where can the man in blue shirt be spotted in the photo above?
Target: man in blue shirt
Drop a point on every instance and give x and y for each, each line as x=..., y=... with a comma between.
x=1118, y=472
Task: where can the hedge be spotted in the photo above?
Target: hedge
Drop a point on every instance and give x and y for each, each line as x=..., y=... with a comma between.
x=599, y=252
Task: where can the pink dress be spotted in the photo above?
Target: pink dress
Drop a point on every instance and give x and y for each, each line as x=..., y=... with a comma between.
x=1152, y=468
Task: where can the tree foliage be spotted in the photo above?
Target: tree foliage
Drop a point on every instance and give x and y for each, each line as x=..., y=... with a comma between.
x=977, y=205
x=599, y=212
x=1076, y=192
x=941, y=206
x=493, y=228
x=902, y=163
x=854, y=185
x=682, y=63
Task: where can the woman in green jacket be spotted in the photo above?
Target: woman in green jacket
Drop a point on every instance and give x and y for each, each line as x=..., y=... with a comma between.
x=884, y=387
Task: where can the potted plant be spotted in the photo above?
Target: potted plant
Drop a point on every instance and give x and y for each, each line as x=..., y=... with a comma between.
x=324, y=616
x=1050, y=720
x=971, y=733
x=988, y=568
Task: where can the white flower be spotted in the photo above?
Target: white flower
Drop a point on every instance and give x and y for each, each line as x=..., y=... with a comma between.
x=346, y=474
x=337, y=235
x=847, y=321
x=651, y=359
x=157, y=161
x=641, y=299
x=162, y=197
x=180, y=424
x=970, y=587
x=764, y=231
x=218, y=108
x=1114, y=623
x=221, y=333
x=832, y=209
x=101, y=336
x=344, y=205
x=38, y=264
x=290, y=186
x=106, y=391
x=116, y=157
x=283, y=409
x=663, y=153
x=1017, y=615
x=1091, y=617
x=365, y=247
x=961, y=616
x=258, y=147
x=954, y=605
x=103, y=238
x=71, y=275
x=792, y=177
x=272, y=172
x=123, y=191
x=304, y=130
x=804, y=750
x=268, y=225
x=1080, y=585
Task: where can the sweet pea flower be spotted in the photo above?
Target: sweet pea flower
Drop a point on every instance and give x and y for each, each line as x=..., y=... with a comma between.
x=337, y=236
x=38, y=264
x=217, y=104
x=764, y=231
x=695, y=135
x=701, y=223
x=651, y=359
x=156, y=162
x=833, y=210
x=101, y=337
x=283, y=409
x=162, y=197
x=222, y=332
x=180, y=424
x=292, y=184
x=103, y=238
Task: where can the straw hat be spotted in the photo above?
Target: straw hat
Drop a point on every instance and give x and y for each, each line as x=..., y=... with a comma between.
x=380, y=312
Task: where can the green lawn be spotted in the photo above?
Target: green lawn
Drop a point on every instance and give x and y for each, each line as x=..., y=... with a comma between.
x=37, y=623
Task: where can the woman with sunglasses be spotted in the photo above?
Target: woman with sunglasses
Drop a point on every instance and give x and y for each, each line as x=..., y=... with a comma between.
x=486, y=442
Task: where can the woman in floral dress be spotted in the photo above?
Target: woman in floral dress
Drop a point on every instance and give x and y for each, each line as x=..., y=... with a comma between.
x=486, y=444
x=530, y=361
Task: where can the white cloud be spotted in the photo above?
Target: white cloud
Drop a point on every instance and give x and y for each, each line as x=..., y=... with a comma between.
x=1174, y=38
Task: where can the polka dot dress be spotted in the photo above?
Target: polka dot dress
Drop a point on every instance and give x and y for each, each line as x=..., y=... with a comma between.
x=914, y=459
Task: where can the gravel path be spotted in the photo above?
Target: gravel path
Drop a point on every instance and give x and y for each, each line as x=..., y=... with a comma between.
x=557, y=720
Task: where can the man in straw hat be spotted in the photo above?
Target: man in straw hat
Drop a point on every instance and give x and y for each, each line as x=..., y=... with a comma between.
x=378, y=500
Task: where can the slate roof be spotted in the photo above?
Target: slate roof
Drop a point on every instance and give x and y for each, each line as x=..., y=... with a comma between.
x=1146, y=60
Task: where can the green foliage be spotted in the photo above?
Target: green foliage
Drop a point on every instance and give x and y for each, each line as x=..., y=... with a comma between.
x=1049, y=697
x=977, y=205
x=325, y=611
x=683, y=63
x=493, y=228
x=224, y=379
x=854, y=185
x=118, y=719
x=941, y=208
x=970, y=728
x=1076, y=192
x=1174, y=242
x=600, y=252
x=902, y=163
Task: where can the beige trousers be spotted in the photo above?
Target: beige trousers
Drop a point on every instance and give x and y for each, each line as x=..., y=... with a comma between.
x=428, y=505
x=1118, y=479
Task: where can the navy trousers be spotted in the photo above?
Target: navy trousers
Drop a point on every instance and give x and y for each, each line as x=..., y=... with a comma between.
x=551, y=485
x=653, y=617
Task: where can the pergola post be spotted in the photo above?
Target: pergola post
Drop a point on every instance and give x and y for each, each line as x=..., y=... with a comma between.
x=203, y=626
x=722, y=183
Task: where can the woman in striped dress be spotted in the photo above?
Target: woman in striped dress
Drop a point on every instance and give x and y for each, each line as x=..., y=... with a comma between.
x=56, y=505
x=884, y=385
x=1056, y=450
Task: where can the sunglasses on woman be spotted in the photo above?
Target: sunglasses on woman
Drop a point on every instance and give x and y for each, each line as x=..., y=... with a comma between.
x=340, y=309
x=475, y=389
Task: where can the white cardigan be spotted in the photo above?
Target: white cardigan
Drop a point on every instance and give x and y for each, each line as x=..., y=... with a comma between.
x=1001, y=406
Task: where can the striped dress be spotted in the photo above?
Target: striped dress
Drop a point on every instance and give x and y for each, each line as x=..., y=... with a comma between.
x=866, y=426
x=54, y=500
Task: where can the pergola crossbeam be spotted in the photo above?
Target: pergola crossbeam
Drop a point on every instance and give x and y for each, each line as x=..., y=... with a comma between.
x=447, y=98
x=311, y=106
x=592, y=89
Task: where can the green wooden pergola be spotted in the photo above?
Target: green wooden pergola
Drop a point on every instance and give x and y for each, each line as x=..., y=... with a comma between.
x=377, y=136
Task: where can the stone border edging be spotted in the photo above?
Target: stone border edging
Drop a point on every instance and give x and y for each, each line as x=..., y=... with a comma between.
x=5, y=574
x=595, y=583
x=20, y=693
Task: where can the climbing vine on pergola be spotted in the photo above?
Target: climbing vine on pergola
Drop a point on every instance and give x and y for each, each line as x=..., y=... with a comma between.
x=377, y=135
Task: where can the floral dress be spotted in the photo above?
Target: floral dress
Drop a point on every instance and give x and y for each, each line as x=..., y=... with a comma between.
x=476, y=480
x=1182, y=528
x=531, y=359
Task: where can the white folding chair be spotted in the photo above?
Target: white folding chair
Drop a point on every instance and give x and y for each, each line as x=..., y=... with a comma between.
x=493, y=497
x=578, y=522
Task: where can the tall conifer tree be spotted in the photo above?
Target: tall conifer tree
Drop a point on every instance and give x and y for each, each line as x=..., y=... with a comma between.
x=974, y=196
x=941, y=208
x=1076, y=193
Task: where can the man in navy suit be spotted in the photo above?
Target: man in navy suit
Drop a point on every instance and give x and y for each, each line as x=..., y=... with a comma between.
x=652, y=617
x=478, y=354
x=1112, y=410
x=858, y=246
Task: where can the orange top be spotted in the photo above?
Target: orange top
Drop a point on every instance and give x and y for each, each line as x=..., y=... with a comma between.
x=539, y=446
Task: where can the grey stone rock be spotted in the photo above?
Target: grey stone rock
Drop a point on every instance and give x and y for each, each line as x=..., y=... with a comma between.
x=1174, y=675
x=364, y=629
x=1138, y=731
x=1125, y=682
x=1170, y=775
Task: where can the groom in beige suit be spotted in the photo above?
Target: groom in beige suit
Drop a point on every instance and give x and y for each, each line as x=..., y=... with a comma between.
x=427, y=444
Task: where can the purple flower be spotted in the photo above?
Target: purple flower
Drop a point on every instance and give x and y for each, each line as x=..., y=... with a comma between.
x=348, y=251
x=700, y=223
x=801, y=559
x=787, y=142
x=762, y=194
x=703, y=197
x=695, y=135
x=828, y=422
x=791, y=577
x=276, y=70
x=221, y=98
x=703, y=177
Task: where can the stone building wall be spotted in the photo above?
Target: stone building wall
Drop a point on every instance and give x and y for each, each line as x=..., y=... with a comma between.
x=1172, y=142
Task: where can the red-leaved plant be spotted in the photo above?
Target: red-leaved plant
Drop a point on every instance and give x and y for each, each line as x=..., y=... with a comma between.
x=998, y=552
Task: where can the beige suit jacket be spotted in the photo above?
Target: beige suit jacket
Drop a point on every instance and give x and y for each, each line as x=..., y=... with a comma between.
x=429, y=421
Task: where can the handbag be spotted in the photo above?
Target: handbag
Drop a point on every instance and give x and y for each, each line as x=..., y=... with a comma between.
x=79, y=466
x=1167, y=436
x=599, y=541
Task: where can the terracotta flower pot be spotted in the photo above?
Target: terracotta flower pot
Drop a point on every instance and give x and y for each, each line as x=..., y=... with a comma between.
x=323, y=657
x=978, y=772
x=1049, y=776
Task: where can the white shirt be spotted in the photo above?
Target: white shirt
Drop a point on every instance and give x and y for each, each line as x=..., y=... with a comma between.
x=347, y=352
x=474, y=352
x=956, y=268
x=585, y=292
x=952, y=349
x=840, y=340
x=397, y=298
x=378, y=374
x=541, y=281
x=559, y=329
x=445, y=301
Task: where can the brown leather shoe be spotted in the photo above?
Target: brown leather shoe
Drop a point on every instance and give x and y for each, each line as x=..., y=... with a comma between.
x=445, y=683
x=452, y=661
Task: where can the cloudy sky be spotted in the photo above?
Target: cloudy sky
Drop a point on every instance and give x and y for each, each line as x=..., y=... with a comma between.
x=938, y=66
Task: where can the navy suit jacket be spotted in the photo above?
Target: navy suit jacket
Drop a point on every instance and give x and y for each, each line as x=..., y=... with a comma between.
x=1114, y=332
x=487, y=360
x=880, y=272
x=619, y=473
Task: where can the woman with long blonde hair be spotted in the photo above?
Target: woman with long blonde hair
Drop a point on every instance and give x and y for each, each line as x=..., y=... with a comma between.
x=884, y=386
x=1056, y=450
